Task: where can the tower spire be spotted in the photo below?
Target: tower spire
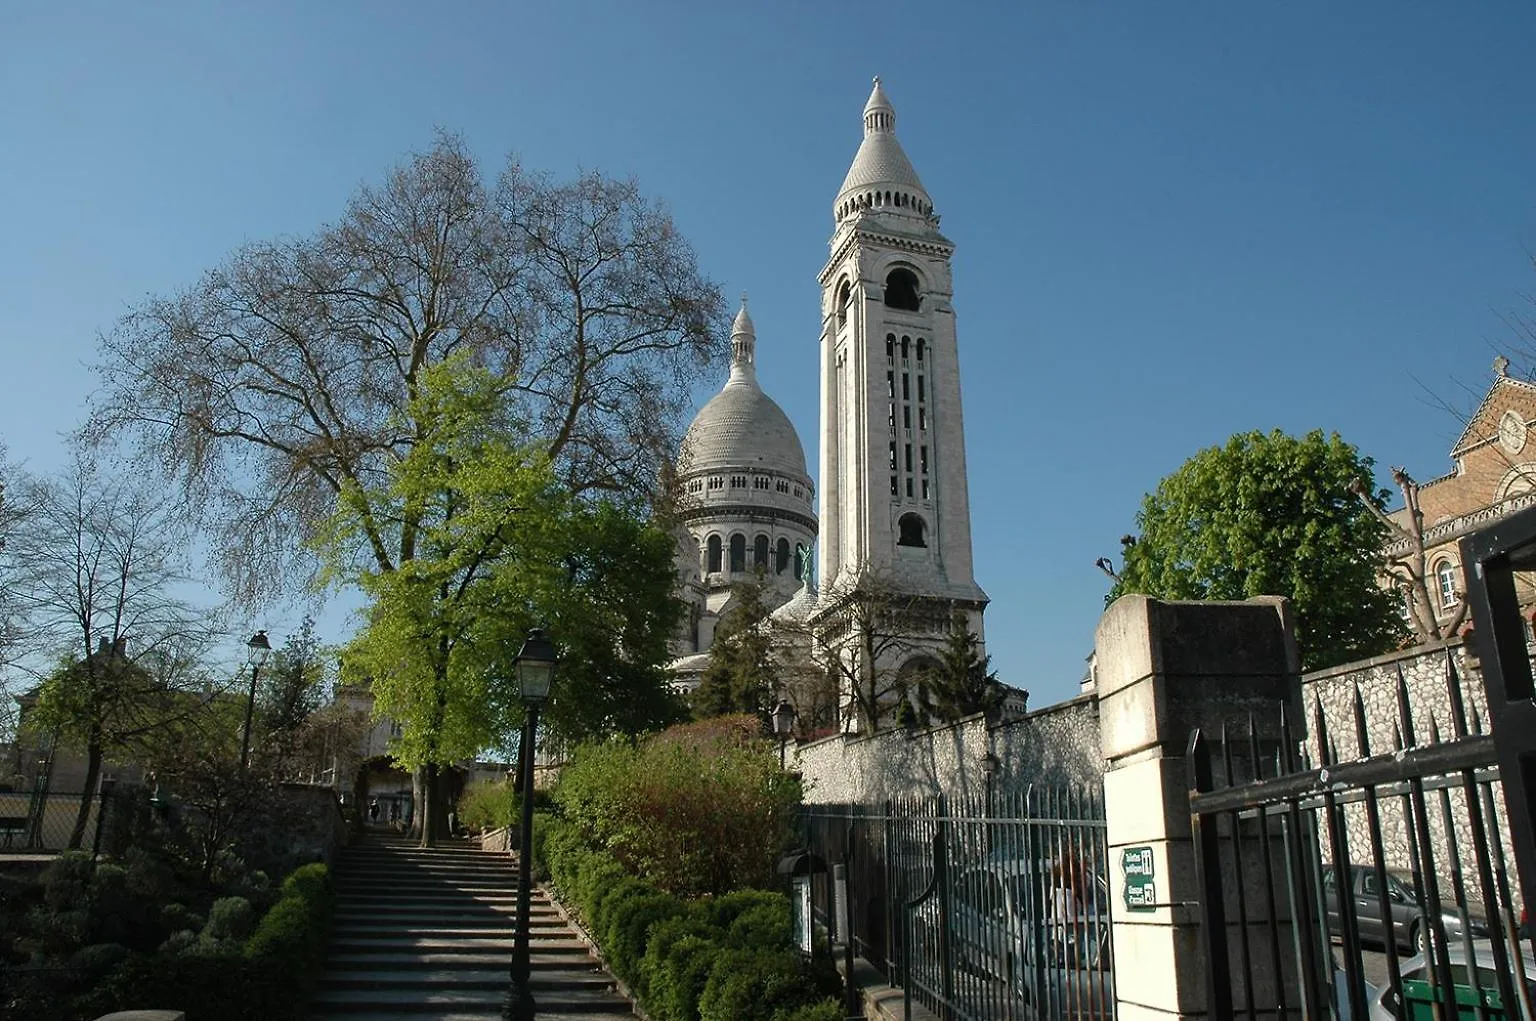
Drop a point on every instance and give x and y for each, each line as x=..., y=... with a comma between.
x=743, y=346
x=879, y=114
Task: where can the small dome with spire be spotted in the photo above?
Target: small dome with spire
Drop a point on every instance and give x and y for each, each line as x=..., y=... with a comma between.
x=881, y=176
x=741, y=427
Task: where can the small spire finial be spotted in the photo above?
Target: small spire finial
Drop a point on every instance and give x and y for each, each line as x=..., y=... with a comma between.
x=1501, y=365
x=743, y=299
x=877, y=79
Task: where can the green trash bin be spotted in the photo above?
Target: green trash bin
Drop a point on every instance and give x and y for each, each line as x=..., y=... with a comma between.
x=1419, y=1001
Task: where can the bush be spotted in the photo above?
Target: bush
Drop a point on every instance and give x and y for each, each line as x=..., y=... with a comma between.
x=664, y=935
x=677, y=986
x=230, y=918
x=762, y=927
x=699, y=809
x=629, y=926
x=750, y=985
x=67, y=881
x=825, y=1010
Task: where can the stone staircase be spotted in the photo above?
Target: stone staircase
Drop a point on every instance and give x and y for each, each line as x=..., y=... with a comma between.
x=426, y=935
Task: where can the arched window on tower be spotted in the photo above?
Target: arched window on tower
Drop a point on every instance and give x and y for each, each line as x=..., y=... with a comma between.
x=760, y=552
x=781, y=557
x=901, y=290
x=843, y=292
x=738, y=553
x=714, y=553
x=913, y=532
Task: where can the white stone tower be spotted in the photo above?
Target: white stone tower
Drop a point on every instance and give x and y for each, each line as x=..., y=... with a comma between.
x=895, y=511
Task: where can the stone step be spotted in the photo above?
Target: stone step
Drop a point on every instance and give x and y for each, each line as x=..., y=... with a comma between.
x=445, y=944
x=570, y=977
x=573, y=954
x=554, y=1001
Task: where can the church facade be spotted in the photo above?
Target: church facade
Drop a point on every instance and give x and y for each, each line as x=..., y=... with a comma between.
x=893, y=536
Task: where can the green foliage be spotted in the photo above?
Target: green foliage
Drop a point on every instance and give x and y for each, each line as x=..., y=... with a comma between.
x=753, y=985
x=763, y=925
x=962, y=685
x=230, y=918
x=741, y=676
x=1269, y=514
x=679, y=984
x=829, y=1009
x=629, y=925
x=698, y=809
x=499, y=546
x=487, y=804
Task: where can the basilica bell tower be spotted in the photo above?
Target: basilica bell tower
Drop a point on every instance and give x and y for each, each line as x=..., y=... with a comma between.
x=895, y=509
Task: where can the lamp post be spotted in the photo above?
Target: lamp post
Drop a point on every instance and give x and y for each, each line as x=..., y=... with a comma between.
x=257, y=651
x=535, y=669
x=783, y=725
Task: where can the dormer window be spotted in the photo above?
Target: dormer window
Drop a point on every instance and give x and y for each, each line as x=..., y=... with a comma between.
x=912, y=531
x=901, y=290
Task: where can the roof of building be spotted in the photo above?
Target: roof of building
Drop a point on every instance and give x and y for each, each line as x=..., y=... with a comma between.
x=1477, y=430
x=880, y=159
x=741, y=427
x=800, y=606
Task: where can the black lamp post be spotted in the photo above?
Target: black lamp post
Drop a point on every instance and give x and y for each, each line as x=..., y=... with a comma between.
x=783, y=725
x=257, y=651
x=535, y=668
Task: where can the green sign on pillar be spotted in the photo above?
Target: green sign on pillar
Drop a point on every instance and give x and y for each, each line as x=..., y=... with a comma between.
x=1140, y=889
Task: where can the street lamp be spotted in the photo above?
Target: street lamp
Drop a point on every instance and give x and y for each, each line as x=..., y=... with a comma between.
x=257, y=651
x=535, y=669
x=783, y=725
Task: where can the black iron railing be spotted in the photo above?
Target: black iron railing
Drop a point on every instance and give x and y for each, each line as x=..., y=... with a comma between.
x=1378, y=885
x=981, y=909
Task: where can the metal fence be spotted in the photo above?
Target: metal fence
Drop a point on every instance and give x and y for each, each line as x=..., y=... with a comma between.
x=45, y=821
x=980, y=910
x=1375, y=886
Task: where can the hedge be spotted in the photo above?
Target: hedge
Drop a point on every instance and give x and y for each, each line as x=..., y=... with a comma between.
x=726, y=958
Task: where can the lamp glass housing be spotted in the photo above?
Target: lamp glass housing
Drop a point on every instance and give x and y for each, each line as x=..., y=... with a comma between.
x=258, y=649
x=535, y=666
x=783, y=719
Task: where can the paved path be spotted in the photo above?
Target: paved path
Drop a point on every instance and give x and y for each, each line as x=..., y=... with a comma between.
x=426, y=935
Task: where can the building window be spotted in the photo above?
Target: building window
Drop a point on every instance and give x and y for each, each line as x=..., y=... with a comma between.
x=909, y=456
x=717, y=483
x=738, y=552
x=912, y=531
x=920, y=395
x=695, y=486
x=909, y=488
x=925, y=489
x=738, y=482
x=901, y=290
x=843, y=294
x=760, y=552
x=1445, y=574
x=906, y=416
x=895, y=486
x=798, y=492
x=891, y=415
x=906, y=386
x=890, y=385
x=893, y=456
x=923, y=458
x=890, y=348
x=922, y=417
x=920, y=346
x=760, y=482
x=906, y=346
x=713, y=546
x=781, y=557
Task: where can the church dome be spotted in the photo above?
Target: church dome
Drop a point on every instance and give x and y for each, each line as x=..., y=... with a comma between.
x=742, y=427
x=881, y=164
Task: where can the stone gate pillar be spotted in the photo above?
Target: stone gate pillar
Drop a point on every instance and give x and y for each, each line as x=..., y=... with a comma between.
x=1163, y=669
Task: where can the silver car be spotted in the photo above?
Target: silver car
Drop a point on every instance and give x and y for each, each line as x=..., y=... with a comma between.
x=1415, y=980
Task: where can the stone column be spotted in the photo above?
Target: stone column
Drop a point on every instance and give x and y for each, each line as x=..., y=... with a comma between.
x=1164, y=669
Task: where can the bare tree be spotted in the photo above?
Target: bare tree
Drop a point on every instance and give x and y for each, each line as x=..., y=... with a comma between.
x=1410, y=568
x=866, y=638
x=96, y=567
x=282, y=381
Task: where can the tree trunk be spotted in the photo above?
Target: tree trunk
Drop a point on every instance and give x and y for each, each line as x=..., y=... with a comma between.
x=421, y=789
x=88, y=795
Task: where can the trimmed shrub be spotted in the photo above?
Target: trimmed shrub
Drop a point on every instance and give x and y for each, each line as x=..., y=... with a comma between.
x=721, y=912
x=629, y=926
x=230, y=918
x=750, y=985
x=676, y=988
x=826, y=1010
x=664, y=935
x=762, y=927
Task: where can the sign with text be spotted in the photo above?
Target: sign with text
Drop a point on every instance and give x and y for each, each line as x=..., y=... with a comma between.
x=1140, y=890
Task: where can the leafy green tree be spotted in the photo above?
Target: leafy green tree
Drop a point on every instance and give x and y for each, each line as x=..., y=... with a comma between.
x=961, y=684
x=742, y=675
x=291, y=692
x=1271, y=514
x=501, y=546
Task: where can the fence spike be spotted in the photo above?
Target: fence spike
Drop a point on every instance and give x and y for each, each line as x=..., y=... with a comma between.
x=1453, y=696
x=1477, y=720
x=1253, y=747
x=1287, y=750
x=1362, y=734
x=1404, y=711
x=1434, y=729
x=1320, y=725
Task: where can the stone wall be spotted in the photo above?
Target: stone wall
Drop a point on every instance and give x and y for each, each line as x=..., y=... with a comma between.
x=1058, y=744
x=1424, y=669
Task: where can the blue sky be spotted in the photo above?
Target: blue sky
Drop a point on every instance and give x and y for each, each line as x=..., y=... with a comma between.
x=1174, y=221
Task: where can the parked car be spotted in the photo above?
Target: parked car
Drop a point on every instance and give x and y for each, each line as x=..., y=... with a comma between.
x=1415, y=980
x=1009, y=922
x=1405, y=903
